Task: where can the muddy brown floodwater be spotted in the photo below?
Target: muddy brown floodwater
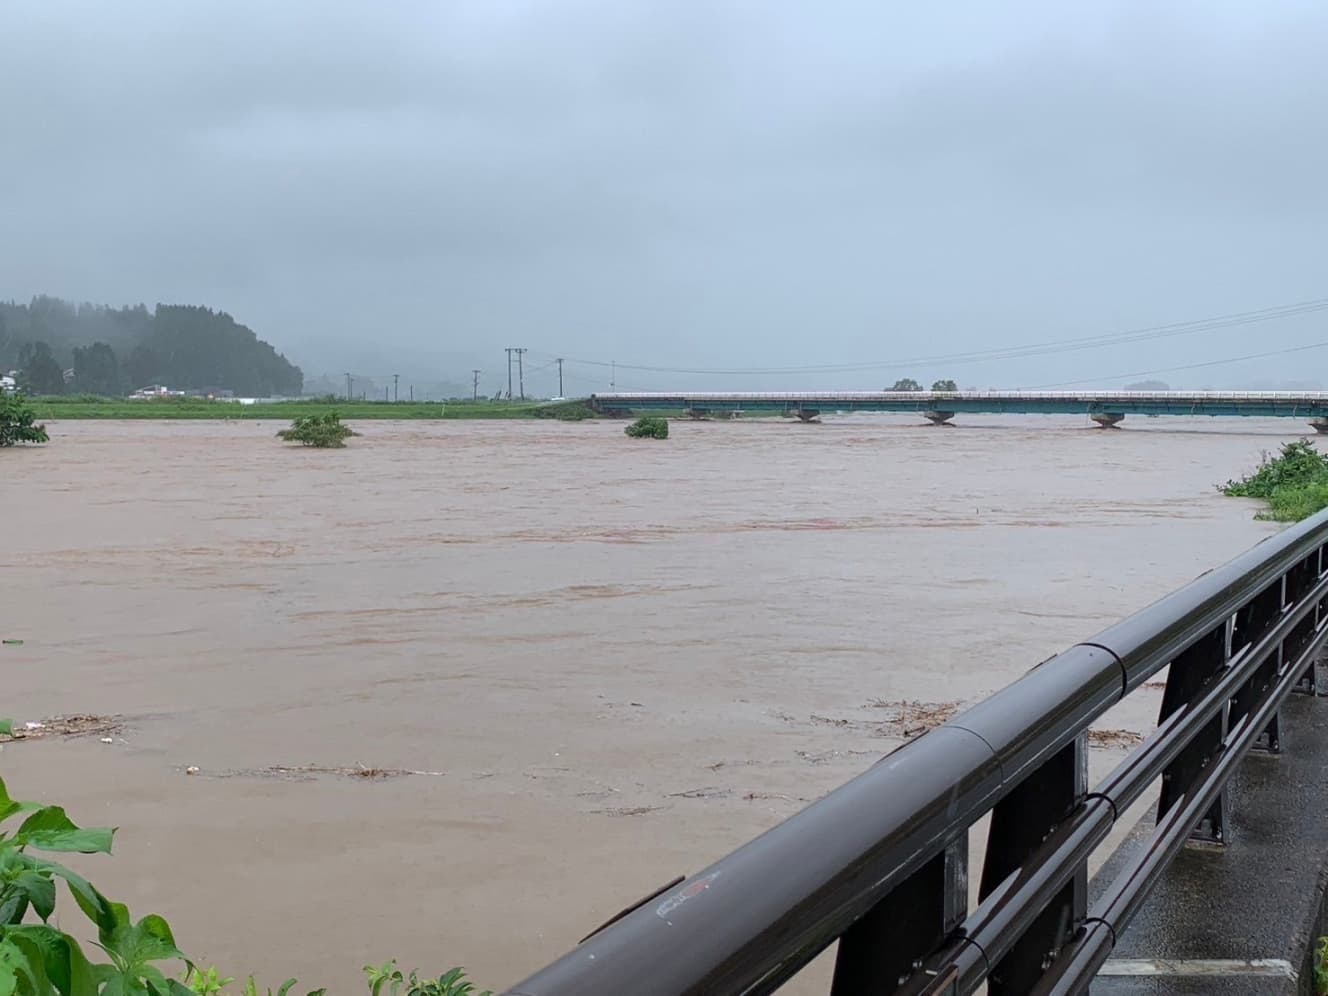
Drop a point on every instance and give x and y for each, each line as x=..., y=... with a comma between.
x=581, y=663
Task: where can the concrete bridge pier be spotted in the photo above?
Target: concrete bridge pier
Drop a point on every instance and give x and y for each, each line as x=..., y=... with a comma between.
x=941, y=418
x=806, y=414
x=1320, y=425
x=1107, y=420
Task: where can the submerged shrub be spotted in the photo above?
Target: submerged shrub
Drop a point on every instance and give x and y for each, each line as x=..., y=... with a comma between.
x=649, y=427
x=323, y=431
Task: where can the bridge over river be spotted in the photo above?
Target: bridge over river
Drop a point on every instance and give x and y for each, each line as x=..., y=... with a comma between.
x=1107, y=408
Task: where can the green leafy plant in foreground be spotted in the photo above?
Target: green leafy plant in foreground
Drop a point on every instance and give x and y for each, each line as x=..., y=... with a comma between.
x=1321, y=967
x=390, y=978
x=324, y=431
x=206, y=983
x=18, y=422
x=38, y=959
x=649, y=427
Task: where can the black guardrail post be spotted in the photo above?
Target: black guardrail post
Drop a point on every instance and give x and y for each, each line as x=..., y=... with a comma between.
x=1251, y=621
x=1019, y=824
x=1187, y=682
x=907, y=925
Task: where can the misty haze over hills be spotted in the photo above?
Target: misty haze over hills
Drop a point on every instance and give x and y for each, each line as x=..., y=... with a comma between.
x=766, y=189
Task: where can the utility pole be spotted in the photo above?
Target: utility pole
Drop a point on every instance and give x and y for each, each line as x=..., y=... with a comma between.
x=509, y=373
x=412, y=393
x=520, y=371
x=560, y=377
x=475, y=385
x=348, y=398
x=385, y=397
x=613, y=376
x=396, y=395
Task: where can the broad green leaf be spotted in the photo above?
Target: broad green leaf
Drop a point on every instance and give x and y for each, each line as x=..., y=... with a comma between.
x=150, y=974
x=8, y=980
x=49, y=829
x=65, y=964
x=102, y=975
x=25, y=960
x=13, y=905
x=13, y=862
x=157, y=927
x=135, y=947
x=40, y=891
x=8, y=806
x=7, y=727
x=94, y=905
x=54, y=958
x=94, y=840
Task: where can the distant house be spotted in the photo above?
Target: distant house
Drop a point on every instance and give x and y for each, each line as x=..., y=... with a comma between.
x=155, y=391
x=7, y=384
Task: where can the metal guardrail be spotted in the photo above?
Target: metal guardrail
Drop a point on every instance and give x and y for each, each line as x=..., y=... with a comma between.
x=881, y=864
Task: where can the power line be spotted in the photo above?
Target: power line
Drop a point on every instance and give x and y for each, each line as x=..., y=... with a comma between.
x=1213, y=323
x=1187, y=366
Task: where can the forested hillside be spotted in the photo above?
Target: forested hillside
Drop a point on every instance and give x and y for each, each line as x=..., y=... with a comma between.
x=113, y=351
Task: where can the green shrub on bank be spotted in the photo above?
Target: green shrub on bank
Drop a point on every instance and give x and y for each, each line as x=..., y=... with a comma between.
x=1298, y=464
x=1294, y=483
x=1296, y=502
x=18, y=422
x=323, y=431
x=649, y=427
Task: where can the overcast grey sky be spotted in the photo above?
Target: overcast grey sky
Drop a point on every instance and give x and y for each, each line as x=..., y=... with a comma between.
x=414, y=185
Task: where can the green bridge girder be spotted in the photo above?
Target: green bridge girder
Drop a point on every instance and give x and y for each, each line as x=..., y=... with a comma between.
x=940, y=406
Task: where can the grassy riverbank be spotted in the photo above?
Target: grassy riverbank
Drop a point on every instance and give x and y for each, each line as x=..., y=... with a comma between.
x=55, y=408
x=1294, y=483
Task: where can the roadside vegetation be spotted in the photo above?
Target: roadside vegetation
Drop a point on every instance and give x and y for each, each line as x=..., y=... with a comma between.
x=324, y=431
x=94, y=407
x=18, y=422
x=1294, y=483
x=649, y=427
x=142, y=958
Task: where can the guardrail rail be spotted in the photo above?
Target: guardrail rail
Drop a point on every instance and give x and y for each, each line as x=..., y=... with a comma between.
x=881, y=864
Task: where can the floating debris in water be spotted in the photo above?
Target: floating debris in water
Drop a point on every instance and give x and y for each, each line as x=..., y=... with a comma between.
x=69, y=726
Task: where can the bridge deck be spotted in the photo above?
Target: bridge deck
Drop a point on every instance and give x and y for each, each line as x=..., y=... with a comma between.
x=1278, y=404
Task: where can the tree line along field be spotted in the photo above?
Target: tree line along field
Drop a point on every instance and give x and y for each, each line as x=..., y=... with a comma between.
x=83, y=407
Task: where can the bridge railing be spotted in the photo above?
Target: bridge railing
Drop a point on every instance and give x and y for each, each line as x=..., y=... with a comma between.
x=881, y=864
x=1085, y=395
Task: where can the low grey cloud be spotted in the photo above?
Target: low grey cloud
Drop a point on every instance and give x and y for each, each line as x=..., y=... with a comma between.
x=416, y=185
